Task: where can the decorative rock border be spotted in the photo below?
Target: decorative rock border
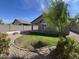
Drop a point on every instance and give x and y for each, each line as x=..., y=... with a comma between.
x=39, y=54
x=14, y=45
x=23, y=49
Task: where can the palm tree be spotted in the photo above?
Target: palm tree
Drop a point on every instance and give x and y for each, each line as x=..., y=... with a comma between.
x=58, y=15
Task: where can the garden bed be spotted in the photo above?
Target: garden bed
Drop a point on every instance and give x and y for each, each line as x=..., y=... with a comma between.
x=27, y=41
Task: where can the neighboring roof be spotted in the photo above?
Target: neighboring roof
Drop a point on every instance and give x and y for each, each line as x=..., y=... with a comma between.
x=22, y=21
x=37, y=20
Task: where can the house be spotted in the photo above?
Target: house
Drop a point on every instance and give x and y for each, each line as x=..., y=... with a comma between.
x=43, y=26
x=75, y=28
x=77, y=20
x=40, y=22
x=20, y=22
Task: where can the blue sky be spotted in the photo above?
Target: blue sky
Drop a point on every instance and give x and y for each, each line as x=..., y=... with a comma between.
x=28, y=9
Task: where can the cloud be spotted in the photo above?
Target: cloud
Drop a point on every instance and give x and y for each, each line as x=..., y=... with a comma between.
x=44, y=4
x=73, y=5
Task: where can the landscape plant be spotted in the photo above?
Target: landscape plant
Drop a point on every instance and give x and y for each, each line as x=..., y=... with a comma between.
x=1, y=21
x=58, y=15
x=4, y=45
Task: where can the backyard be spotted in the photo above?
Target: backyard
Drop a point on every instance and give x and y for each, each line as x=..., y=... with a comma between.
x=26, y=40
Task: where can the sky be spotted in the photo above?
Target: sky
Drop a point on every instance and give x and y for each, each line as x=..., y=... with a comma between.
x=29, y=9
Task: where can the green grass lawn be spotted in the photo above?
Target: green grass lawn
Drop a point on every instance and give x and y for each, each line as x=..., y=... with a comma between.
x=26, y=40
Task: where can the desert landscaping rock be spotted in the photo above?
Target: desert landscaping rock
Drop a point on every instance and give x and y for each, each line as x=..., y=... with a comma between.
x=27, y=54
x=40, y=54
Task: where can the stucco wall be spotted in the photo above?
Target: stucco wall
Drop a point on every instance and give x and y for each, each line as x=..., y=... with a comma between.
x=50, y=28
x=44, y=27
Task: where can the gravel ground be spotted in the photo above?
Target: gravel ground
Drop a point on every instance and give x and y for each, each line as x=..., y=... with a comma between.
x=14, y=51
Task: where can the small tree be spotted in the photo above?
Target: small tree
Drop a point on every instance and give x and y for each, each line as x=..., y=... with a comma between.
x=1, y=21
x=58, y=15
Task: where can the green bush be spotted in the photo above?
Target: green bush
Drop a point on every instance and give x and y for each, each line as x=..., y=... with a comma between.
x=39, y=44
x=4, y=45
x=66, y=49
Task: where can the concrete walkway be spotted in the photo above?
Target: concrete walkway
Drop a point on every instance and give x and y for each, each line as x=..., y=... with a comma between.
x=13, y=37
x=74, y=35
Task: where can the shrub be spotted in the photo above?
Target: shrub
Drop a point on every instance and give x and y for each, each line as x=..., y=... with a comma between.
x=39, y=44
x=66, y=49
x=4, y=45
